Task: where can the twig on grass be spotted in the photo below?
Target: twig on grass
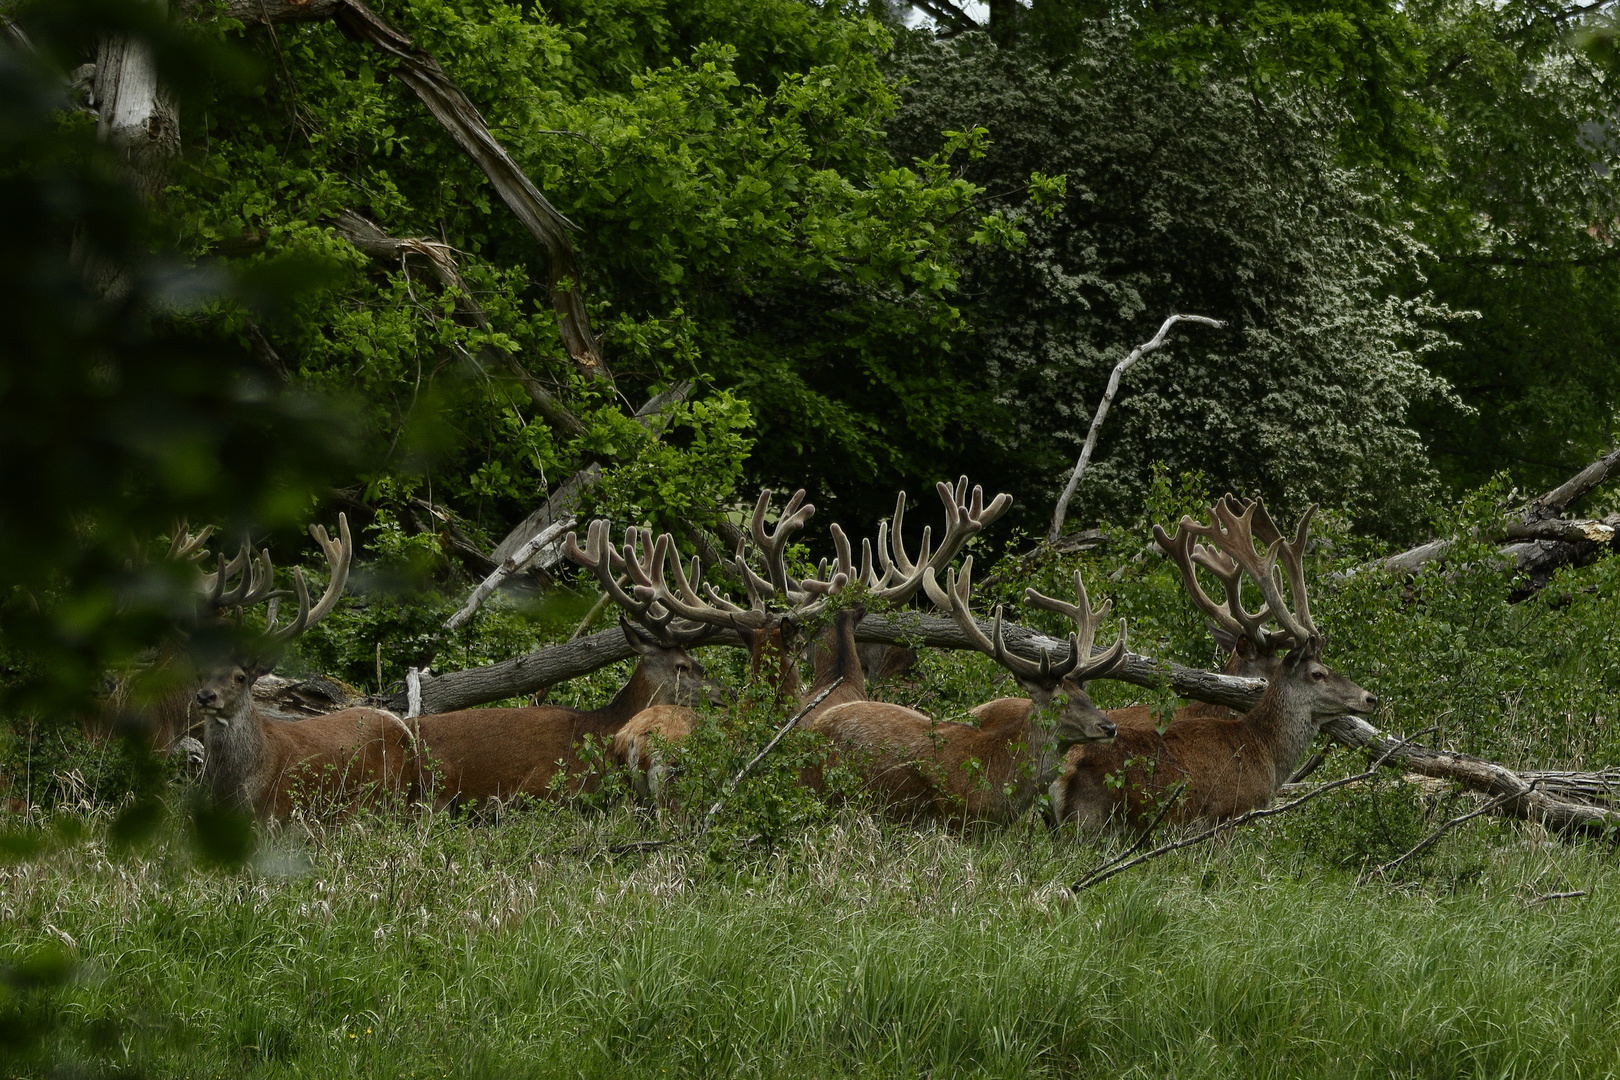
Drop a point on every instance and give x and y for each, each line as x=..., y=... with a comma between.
x=1147, y=834
x=1104, y=873
x=1429, y=841
x=1544, y=897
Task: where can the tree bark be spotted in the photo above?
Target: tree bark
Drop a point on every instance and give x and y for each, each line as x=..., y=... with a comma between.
x=1524, y=801
x=526, y=674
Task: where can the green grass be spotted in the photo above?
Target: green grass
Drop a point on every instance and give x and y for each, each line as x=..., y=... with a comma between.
x=435, y=947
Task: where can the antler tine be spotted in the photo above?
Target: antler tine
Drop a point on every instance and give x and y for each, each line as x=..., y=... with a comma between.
x=1232, y=531
x=1086, y=664
x=339, y=554
x=756, y=587
x=1293, y=564
x=773, y=544
x=186, y=546
x=958, y=598
x=896, y=563
x=296, y=627
x=867, y=576
x=963, y=522
x=598, y=557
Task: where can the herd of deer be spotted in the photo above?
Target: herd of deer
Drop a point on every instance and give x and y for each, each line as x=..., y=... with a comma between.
x=1123, y=768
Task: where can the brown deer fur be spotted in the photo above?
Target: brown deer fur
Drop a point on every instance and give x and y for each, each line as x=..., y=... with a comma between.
x=476, y=754
x=268, y=767
x=923, y=769
x=637, y=749
x=1229, y=766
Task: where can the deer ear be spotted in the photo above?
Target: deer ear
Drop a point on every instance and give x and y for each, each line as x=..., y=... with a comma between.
x=256, y=667
x=638, y=638
x=857, y=613
x=1245, y=647
x=1298, y=655
x=1225, y=639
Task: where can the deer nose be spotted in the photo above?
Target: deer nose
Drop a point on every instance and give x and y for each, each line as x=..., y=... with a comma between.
x=206, y=698
x=1372, y=701
x=1108, y=730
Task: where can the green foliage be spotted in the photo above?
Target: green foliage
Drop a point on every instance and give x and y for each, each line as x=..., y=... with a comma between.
x=1517, y=216
x=1361, y=827
x=741, y=224
x=1190, y=199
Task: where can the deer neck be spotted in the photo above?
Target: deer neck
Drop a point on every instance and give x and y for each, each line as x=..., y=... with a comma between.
x=1038, y=764
x=235, y=754
x=839, y=658
x=634, y=696
x=1286, y=723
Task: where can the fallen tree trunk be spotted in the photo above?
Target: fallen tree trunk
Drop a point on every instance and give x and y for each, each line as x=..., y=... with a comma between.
x=526, y=674
x=1536, y=540
x=1525, y=796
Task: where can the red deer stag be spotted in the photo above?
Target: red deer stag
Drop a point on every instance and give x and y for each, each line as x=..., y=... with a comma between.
x=268, y=767
x=925, y=769
x=778, y=604
x=1218, y=767
x=476, y=754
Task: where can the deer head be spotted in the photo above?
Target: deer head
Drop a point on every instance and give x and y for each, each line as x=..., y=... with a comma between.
x=242, y=582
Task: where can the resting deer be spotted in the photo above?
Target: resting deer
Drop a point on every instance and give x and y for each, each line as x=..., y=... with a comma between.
x=477, y=754
x=925, y=769
x=268, y=767
x=1219, y=767
x=778, y=604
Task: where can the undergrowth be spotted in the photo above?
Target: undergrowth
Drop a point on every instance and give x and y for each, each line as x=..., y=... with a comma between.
x=430, y=946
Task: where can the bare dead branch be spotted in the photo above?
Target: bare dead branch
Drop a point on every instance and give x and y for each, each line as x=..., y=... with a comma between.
x=1062, y=509
x=1104, y=873
x=1429, y=841
x=506, y=569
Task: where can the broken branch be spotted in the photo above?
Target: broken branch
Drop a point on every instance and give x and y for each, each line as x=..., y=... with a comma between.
x=1062, y=509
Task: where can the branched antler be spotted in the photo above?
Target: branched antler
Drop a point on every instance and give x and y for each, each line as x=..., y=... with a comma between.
x=902, y=576
x=1235, y=525
x=1080, y=664
x=254, y=577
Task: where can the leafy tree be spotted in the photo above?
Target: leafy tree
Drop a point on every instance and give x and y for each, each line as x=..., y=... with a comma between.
x=1517, y=216
x=741, y=223
x=1191, y=198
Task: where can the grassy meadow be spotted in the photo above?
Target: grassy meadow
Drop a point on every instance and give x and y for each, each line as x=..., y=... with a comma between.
x=432, y=947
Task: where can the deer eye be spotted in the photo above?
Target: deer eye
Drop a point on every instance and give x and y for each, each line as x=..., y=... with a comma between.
x=241, y=678
x=1318, y=674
